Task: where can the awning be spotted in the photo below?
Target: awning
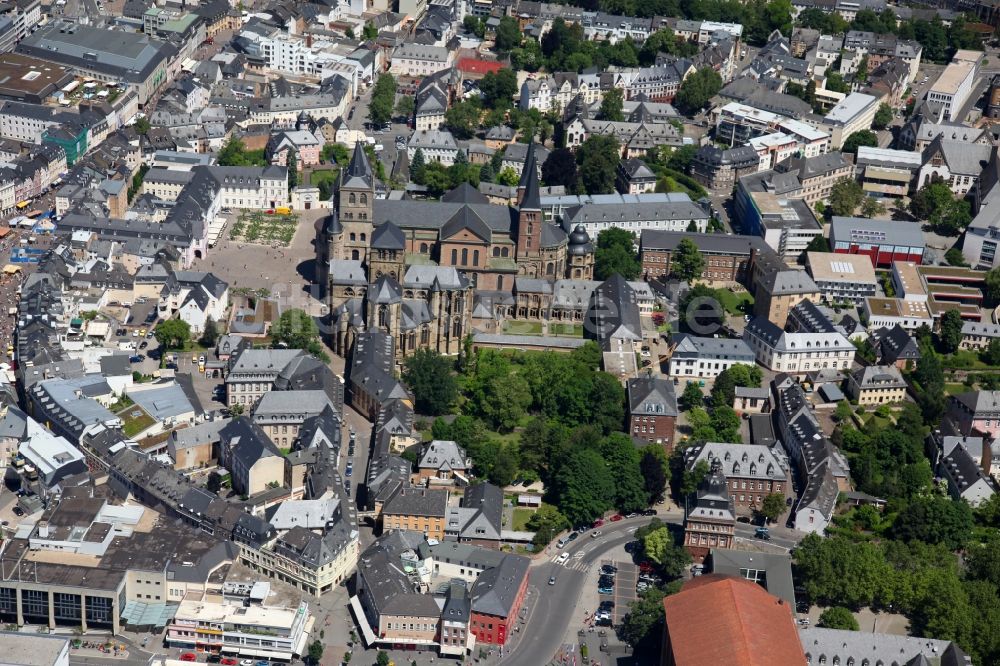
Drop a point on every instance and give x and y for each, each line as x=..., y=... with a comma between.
x=359, y=615
x=248, y=652
x=141, y=614
x=10, y=269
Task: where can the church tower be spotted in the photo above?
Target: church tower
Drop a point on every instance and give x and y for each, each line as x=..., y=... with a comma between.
x=529, y=218
x=356, y=204
x=581, y=255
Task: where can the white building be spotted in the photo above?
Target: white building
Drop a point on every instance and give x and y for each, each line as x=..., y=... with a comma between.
x=953, y=87
x=419, y=60
x=813, y=141
x=707, y=357
x=842, y=277
x=436, y=146
x=800, y=352
x=242, y=631
x=854, y=114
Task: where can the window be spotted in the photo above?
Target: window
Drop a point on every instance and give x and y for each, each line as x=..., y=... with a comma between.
x=465, y=257
x=454, y=257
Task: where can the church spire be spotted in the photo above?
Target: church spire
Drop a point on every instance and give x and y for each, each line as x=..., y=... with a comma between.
x=527, y=189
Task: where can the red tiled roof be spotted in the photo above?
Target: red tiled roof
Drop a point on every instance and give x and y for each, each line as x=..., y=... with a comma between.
x=476, y=66
x=718, y=619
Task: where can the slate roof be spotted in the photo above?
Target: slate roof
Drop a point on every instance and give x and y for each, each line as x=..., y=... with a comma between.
x=496, y=589
x=652, y=395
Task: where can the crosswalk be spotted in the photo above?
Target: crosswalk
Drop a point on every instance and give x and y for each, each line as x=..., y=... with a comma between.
x=574, y=563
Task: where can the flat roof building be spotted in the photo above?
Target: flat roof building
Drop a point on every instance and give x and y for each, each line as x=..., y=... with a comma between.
x=842, y=277
x=105, y=55
x=28, y=79
x=883, y=241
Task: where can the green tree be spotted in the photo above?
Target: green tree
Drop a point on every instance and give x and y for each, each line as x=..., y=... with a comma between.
x=369, y=32
x=687, y=262
x=653, y=467
x=405, y=106
x=474, y=25
x=382, y=658
x=693, y=477
x=508, y=34
x=560, y=169
x=860, y=138
x=316, y=651
x=622, y=460
x=992, y=286
x=935, y=520
x=845, y=196
x=882, y=117
x=818, y=244
x=697, y=89
x=872, y=207
x=838, y=617
x=954, y=257
x=142, y=125
x=724, y=390
x=991, y=355
x=173, y=334
x=383, y=99
x=691, y=397
x=293, y=169
x=772, y=506
x=726, y=423
x=546, y=522
x=335, y=153
x=508, y=176
x=598, y=159
x=659, y=546
x=210, y=335
x=506, y=400
x=214, y=482
x=615, y=253
x=498, y=88
x=643, y=624
x=611, y=105
x=462, y=119
x=951, y=331
x=418, y=166
x=583, y=486
x=503, y=471
x=429, y=376
x=843, y=411
x=295, y=328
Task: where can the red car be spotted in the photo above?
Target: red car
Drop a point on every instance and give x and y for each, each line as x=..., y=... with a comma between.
x=189, y=656
x=646, y=567
x=228, y=661
x=598, y=522
x=615, y=518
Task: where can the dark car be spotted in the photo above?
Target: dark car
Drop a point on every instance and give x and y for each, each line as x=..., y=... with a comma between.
x=649, y=512
x=632, y=547
x=143, y=344
x=608, y=569
x=18, y=511
x=573, y=535
x=607, y=604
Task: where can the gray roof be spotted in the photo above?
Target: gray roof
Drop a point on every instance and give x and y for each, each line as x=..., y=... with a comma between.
x=614, y=312
x=879, y=376
x=636, y=212
x=198, y=434
x=443, y=455
x=496, y=589
x=690, y=346
x=418, y=502
x=964, y=159
x=789, y=281
x=164, y=402
x=777, y=568
x=652, y=396
x=290, y=405
x=348, y=272
x=841, y=644
x=115, y=365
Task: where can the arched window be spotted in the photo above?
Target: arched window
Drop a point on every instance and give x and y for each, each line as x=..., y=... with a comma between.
x=454, y=257
x=383, y=317
x=475, y=257
x=423, y=248
x=496, y=251
x=364, y=238
x=456, y=329
x=353, y=236
x=550, y=268
x=505, y=252
x=364, y=199
x=465, y=257
x=352, y=199
x=412, y=339
x=354, y=255
x=736, y=468
x=425, y=335
x=499, y=282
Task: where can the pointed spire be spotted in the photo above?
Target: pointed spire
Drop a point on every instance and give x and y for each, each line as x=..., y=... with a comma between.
x=359, y=166
x=530, y=197
x=529, y=161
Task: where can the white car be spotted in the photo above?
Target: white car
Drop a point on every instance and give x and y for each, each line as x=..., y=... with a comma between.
x=562, y=559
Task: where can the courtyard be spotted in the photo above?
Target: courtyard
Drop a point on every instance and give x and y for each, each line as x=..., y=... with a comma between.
x=255, y=226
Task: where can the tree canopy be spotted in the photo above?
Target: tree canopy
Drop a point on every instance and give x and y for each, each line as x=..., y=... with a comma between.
x=687, y=262
x=616, y=253
x=429, y=377
x=845, y=196
x=697, y=89
x=598, y=159
x=860, y=138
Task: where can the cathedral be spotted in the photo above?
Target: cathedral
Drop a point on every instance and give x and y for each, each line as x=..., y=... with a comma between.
x=414, y=268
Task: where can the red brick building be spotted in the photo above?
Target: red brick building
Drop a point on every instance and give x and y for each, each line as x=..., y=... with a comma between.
x=652, y=406
x=727, y=258
x=711, y=522
x=497, y=597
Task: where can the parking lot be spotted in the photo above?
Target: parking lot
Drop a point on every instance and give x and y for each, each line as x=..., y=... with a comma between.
x=625, y=581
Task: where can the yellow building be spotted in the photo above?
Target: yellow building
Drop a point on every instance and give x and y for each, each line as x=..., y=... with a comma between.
x=417, y=509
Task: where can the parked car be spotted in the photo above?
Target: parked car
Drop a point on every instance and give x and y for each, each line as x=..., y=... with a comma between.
x=349, y=471
x=18, y=511
x=143, y=344
x=762, y=533
x=605, y=590
x=135, y=359
x=189, y=656
x=562, y=543
x=649, y=512
x=615, y=518
x=228, y=661
x=647, y=567
x=609, y=569
x=599, y=522
x=573, y=535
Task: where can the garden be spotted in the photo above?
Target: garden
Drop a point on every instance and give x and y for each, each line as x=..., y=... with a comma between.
x=258, y=227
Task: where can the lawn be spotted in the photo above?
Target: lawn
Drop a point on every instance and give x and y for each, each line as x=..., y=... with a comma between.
x=521, y=518
x=258, y=227
x=319, y=176
x=523, y=328
x=135, y=420
x=567, y=330
x=876, y=422
x=735, y=303
x=952, y=389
